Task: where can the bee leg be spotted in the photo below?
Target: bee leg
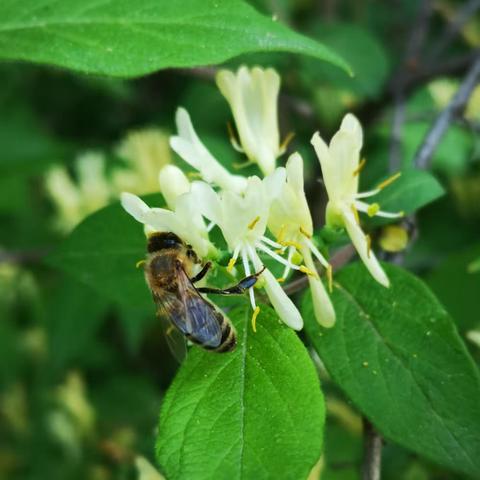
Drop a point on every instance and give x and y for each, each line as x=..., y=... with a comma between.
x=241, y=287
x=201, y=273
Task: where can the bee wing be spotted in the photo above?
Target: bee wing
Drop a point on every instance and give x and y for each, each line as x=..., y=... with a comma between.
x=169, y=311
x=201, y=319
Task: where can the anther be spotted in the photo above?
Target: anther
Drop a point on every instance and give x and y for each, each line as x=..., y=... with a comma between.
x=231, y=264
x=251, y=226
x=280, y=279
x=305, y=233
x=360, y=167
x=329, y=272
x=306, y=270
x=373, y=209
x=287, y=141
x=254, y=318
x=369, y=245
x=355, y=213
x=388, y=181
x=289, y=243
x=281, y=233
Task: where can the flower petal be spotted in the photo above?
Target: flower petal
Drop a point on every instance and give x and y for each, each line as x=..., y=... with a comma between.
x=135, y=206
x=322, y=305
x=359, y=241
x=281, y=302
x=188, y=146
x=173, y=183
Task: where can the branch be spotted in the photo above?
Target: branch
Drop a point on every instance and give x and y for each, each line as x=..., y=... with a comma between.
x=461, y=18
x=455, y=107
x=372, y=452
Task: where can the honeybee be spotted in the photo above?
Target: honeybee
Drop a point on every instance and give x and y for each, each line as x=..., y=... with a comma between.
x=187, y=314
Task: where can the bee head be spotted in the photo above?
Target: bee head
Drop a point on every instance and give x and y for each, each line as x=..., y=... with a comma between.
x=161, y=240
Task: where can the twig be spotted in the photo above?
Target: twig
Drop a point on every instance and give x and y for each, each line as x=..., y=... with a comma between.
x=372, y=452
x=461, y=18
x=398, y=86
x=453, y=109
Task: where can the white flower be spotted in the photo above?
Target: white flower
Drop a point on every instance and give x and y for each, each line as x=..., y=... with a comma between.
x=242, y=218
x=184, y=219
x=173, y=183
x=145, y=152
x=146, y=471
x=190, y=148
x=75, y=200
x=340, y=162
x=291, y=223
x=253, y=97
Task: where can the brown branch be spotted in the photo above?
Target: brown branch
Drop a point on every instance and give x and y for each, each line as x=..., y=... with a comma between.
x=372, y=452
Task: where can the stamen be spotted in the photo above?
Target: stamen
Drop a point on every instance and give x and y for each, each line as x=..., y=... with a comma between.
x=233, y=138
x=251, y=226
x=286, y=272
x=369, y=245
x=383, y=214
x=275, y=256
x=305, y=233
x=232, y=261
x=317, y=254
x=355, y=213
x=373, y=209
x=289, y=243
x=360, y=167
x=210, y=226
x=281, y=279
x=254, y=319
x=271, y=242
x=388, y=181
x=329, y=272
x=306, y=270
x=140, y=263
x=287, y=141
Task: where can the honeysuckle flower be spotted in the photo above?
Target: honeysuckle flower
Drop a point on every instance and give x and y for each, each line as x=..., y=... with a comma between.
x=74, y=200
x=291, y=223
x=191, y=149
x=184, y=220
x=173, y=183
x=242, y=218
x=340, y=163
x=253, y=97
x=145, y=152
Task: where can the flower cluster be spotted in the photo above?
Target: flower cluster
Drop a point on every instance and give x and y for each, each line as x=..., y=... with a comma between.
x=263, y=217
x=143, y=153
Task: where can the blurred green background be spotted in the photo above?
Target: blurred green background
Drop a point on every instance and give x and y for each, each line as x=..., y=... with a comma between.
x=82, y=378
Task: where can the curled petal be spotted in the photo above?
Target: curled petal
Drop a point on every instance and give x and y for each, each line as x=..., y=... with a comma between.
x=188, y=146
x=281, y=302
x=360, y=243
x=135, y=206
x=322, y=305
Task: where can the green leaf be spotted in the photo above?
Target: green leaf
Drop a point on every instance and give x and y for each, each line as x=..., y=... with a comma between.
x=396, y=354
x=255, y=413
x=125, y=38
x=363, y=51
x=413, y=190
x=457, y=288
x=102, y=252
